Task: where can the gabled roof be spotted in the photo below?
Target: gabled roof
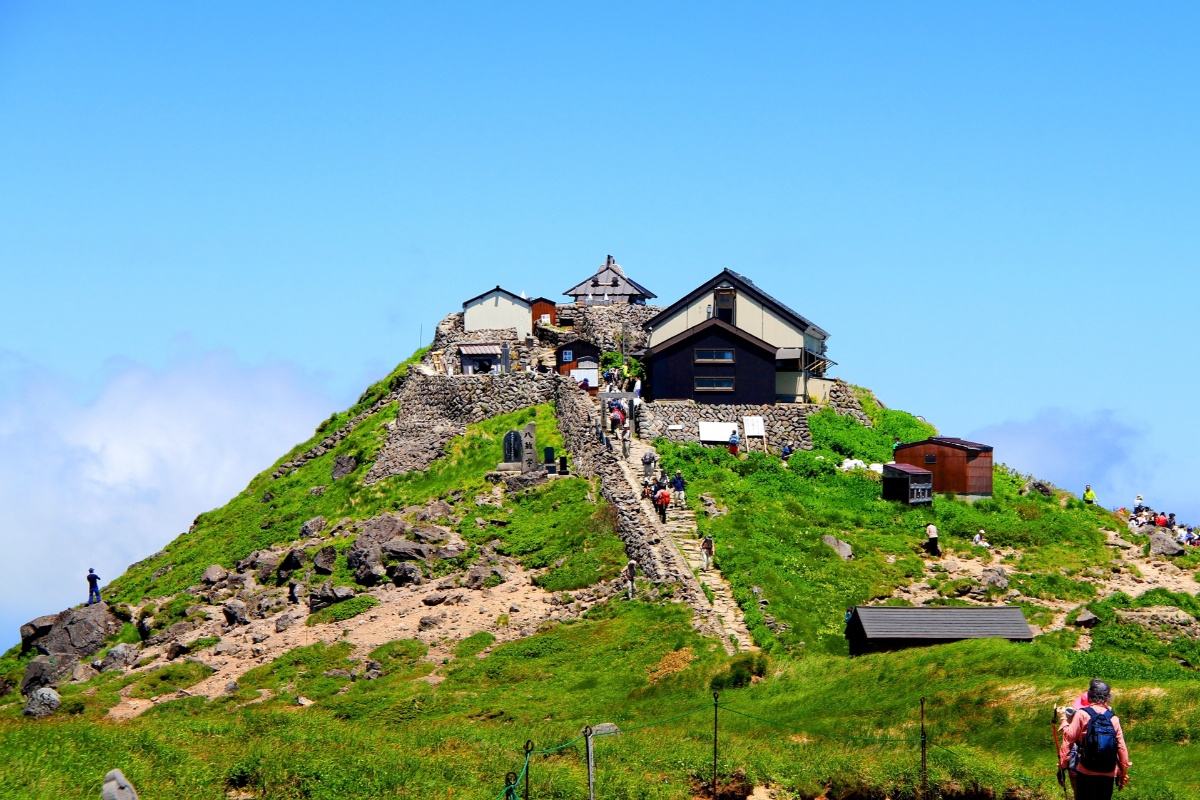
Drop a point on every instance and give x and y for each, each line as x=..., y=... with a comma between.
x=897, y=622
x=613, y=270
x=950, y=441
x=695, y=330
x=516, y=297
x=743, y=284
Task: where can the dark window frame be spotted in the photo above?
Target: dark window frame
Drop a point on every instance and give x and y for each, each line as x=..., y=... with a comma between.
x=697, y=387
x=931, y=458
x=568, y=356
x=696, y=359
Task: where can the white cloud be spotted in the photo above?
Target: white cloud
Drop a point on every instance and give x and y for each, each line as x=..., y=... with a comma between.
x=107, y=481
x=1118, y=459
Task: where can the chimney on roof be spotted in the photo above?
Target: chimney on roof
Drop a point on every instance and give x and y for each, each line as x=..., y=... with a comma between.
x=610, y=261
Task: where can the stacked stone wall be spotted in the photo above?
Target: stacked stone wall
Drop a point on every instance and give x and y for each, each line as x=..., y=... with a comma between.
x=436, y=408
x=450, y=334
x=845, y=402
x=602, y=325
x=784, y=422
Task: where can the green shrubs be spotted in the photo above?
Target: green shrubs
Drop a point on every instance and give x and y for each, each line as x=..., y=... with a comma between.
x=741, y=672
x=340, y=612
x=474, y=644
x=170, y=678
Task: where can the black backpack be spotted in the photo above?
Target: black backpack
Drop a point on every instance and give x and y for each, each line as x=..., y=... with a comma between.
x=1099, y=750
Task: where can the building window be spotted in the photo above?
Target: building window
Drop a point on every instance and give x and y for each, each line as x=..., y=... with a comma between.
x=717, y=356
x=568, y=356
x=714, y=384
x=931, y=459
x=724, y=299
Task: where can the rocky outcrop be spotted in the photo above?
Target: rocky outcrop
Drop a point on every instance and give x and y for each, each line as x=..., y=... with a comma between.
x=605, y=326
x=44, y=671
x=1163, y=544
x=843, y=549
x=116, y=787
x=328, y=594
x=119, y=657
x=73, y=634
x=42, y=703
x=324, y=559
x=995, y=577
x=342, y=466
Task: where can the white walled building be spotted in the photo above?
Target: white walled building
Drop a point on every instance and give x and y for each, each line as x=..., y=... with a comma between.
x=498, y=308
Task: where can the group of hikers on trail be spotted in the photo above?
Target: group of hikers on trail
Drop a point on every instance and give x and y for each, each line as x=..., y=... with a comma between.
x=663, y=491
x=1091, y=745
x=1145, y=517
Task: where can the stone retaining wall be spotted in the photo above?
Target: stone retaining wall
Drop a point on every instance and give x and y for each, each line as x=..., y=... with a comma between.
x=602, y=325
x=436, y=408
x=784, y=422
x=331, y=441
x=450, y=334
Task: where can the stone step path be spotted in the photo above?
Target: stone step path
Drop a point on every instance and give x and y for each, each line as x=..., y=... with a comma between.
x=682, y=532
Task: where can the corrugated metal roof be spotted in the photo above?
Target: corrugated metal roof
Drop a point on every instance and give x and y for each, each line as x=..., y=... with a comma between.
x=479, y=349
x=896, y=622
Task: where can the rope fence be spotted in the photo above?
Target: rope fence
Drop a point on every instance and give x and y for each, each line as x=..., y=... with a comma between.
x=513, y=780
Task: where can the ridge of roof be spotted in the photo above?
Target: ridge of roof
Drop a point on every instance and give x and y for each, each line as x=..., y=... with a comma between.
x=703, y=326
x=805, y=324
x=583, y=286
x=498, y=288
x=950, y=441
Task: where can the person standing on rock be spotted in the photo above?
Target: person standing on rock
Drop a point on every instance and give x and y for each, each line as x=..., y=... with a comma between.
x=649, y=459
x=629, y=574
x=679, y=489
x=1089, y=496
x=93, y=587
x=706, y=552
x=625, y=441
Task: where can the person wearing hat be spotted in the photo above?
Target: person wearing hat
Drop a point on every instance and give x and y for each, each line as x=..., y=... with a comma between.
x=980, y=541
x=629, y=573
x=93, y=587
x=1140, y=506
x=678, y=487
x=706, y=552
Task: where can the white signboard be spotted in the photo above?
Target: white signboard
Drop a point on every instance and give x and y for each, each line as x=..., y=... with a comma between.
x=717, y=431
x=754, y=426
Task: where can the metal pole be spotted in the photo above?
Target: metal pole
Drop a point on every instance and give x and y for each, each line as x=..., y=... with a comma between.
x=924, y=763
x=716, y=697
x=528, y=759
x=510, y=786
x=591, y=759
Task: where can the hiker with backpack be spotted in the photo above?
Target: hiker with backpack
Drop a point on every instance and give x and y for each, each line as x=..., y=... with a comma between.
x=706, y=552
x=662, y=499
x=649, y=458
x=1103, y=759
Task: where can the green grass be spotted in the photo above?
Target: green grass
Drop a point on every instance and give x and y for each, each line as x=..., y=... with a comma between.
x=340, y=612
x=170, y=678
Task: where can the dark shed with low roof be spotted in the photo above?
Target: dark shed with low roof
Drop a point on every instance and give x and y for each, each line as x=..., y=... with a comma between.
x=872, y=629
x=907, y=484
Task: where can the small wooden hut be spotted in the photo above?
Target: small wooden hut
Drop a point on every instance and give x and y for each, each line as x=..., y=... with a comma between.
x=958, y=466
x=873, y=629
x=905, y=483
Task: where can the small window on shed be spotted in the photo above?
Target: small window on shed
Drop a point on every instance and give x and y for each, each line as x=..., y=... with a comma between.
x=568, y=356
x=720, y=356
x=714, y=384
x=931, y=458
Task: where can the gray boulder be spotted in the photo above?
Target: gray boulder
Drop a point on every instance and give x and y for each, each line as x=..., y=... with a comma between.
x=312, y=527
x=843, y=549
x=75, y=633
x=44, y=671
x=296, y=592
x=384, y=527
x=431, y=534
x=175, y=650
x=324, y=559
x=1087, y=619
x=404, y=550
x=429, y=623
x=1163, y=544
x=116, y=787
x=235, y=612
x=328, y=594
x=42, y=703
x=995, y=576
x=120, y=657
x=369, y=574
x=283, y=622
x=434, y=598
x=343, y=466
x=476, y=577
x=82, y=673
x=214, y=574
x=405, y=574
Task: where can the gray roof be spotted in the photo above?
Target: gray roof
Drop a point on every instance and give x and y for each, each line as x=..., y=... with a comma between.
x=516, y=297
x=906, y=468
x=898, y=622
x=951, y=441
x=626, y=286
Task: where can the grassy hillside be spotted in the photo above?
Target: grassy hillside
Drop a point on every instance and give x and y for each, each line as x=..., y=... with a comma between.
x=802, y=717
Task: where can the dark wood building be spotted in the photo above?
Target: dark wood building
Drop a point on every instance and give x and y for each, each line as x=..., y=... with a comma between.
x=712, y=362
x=873, y=629
x=957, y=465
x=610, y=286
x=544, y=310
x=579, y=354
x=907, y=484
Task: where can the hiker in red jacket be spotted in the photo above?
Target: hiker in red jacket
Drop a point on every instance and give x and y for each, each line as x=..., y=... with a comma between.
x=1103, y=756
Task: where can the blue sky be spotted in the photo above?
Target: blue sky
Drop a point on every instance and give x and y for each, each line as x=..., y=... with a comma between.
x=219, y=222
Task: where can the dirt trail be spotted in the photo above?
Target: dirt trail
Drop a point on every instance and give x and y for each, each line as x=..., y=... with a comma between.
x=398, y=616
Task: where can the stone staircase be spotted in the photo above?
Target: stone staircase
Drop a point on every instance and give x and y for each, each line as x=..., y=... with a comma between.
x=681, y=532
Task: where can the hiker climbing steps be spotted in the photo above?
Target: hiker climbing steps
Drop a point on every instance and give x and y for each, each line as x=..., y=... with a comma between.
x=682, y=533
